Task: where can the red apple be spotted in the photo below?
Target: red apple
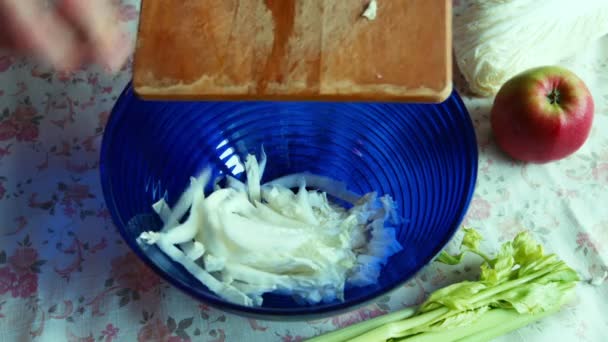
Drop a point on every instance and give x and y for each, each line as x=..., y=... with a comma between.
x=542, y=114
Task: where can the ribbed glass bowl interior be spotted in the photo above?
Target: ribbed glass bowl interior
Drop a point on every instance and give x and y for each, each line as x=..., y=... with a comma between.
x=423, y=155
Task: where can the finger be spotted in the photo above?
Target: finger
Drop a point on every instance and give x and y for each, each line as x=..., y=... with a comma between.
x=6, y=38
x=97, y=23
x=41, y=32
x=120, y=54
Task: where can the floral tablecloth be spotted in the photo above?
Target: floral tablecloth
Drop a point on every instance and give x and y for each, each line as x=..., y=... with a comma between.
x=65, y=274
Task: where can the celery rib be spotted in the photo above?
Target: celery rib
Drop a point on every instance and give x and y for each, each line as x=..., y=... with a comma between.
x=507, y=297
x=350, y=332
x=400, y=328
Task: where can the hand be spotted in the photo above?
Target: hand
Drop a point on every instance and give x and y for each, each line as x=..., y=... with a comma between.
x=67, y=33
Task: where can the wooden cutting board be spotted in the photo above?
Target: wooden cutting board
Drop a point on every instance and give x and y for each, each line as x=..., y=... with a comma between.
x=294, y=50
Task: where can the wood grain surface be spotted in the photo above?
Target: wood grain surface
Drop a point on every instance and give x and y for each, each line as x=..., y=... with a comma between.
x=294, y=50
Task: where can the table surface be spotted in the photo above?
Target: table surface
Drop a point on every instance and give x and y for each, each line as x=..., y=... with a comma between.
x=66, y=275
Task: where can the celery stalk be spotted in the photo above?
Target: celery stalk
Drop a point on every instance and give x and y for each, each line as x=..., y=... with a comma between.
x=488, y=321
x=396, y=329
x=518, y=286
x=348, y=333
x=492, y=324
x=503, y=321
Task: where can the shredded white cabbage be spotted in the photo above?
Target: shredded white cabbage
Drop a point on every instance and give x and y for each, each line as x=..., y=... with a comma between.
x=248, y=239
x=371, y=10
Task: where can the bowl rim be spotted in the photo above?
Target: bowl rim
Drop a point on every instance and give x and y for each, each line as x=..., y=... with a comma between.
x=296, y=313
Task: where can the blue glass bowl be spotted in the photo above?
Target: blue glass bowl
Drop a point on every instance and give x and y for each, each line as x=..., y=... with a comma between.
x=423, y=155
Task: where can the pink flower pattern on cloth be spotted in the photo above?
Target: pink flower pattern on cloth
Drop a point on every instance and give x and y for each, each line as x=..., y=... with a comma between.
x=66, y=275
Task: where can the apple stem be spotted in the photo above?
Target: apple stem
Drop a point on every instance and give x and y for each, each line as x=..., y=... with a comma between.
x=554, y=96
